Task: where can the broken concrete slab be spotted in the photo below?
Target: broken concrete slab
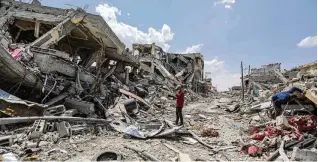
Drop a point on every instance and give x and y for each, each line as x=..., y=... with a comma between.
x=182, y=156
x=135, y=97
x=64, y=129
x=54, y=111
x=282, y=121
x=84, y=107
x=57, y=99
x=55, y=34
x=48, y=64
x=15, y=72
x=261, y=106
x=303, y=155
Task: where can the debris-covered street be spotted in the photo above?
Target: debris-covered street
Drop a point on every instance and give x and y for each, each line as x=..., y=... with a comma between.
x=72, y=91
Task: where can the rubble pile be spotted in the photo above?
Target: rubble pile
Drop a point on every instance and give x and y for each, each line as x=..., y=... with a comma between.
x=70, y=87
x=66, y=74
x=296, y=127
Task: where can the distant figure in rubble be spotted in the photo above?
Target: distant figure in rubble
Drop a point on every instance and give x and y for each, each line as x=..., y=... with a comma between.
x=179, y=104
x=283, y=98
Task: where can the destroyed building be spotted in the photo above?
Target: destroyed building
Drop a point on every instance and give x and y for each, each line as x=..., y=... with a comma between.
x=50, y=51
x=176, y=68
x=53, y=56
x=308, y=69
x=69, y=87
x=266, y=73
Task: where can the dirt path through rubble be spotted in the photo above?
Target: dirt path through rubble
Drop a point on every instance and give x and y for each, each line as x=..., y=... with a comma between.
x=198, y=115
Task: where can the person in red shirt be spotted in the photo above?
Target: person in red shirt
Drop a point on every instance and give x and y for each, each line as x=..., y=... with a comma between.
x=179, y=104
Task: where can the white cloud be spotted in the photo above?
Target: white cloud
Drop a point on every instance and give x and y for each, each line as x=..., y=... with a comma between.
x=128, y=14
x=310, y=41
x=222, y=78
x=130, y=34
x=227, y=3
x=228, y=6
x=193, y=49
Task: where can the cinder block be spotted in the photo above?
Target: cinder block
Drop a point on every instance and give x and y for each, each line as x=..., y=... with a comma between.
x=282, y=121
x=64, y=129
x=38, y=128
x=50, y=127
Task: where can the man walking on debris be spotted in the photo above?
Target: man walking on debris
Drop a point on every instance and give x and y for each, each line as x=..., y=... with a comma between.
x=282, y=98
x=179, y=104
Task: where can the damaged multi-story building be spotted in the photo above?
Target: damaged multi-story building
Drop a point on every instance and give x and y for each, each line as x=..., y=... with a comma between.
x=57, y=56
x=266, y=74
x=270, y=77
x=262, y=77
x=69, y=87
x=50, y=51
x=171, y=68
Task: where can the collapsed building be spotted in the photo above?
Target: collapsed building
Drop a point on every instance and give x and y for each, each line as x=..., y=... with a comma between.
x=170, y=68
x=266, y=74
x=68, y=65
x=271, y=77
x=53, y=56
x=49, y=51
x=298, y=111
x=65, y=75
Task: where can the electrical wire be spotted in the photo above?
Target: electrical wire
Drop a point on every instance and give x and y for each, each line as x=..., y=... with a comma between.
x=55, y=82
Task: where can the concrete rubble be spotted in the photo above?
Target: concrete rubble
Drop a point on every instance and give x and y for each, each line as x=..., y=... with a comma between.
x=70, y=87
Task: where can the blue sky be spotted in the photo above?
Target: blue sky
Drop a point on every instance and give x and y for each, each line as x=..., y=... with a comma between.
x=226, y=32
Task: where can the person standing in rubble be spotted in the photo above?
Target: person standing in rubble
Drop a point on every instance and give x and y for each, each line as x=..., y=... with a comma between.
x=283, y=97
x=179, y=104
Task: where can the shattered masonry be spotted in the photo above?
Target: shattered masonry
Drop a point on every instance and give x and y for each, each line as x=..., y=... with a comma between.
x=70, y=87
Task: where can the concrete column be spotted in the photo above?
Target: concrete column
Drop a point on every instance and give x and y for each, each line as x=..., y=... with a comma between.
x=126, y=75
x=37, y=29
x=152, y=69
x=153, y=49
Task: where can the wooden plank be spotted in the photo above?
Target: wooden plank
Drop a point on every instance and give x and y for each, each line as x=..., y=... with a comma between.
x=311, y=97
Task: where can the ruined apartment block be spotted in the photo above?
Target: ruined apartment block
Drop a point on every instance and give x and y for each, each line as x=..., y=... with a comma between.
x=179, y=68
x=70, y=90
x=52, y=55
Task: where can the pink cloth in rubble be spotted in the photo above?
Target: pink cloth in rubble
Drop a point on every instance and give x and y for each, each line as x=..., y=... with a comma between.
x=253, y=150
x=17, y=54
